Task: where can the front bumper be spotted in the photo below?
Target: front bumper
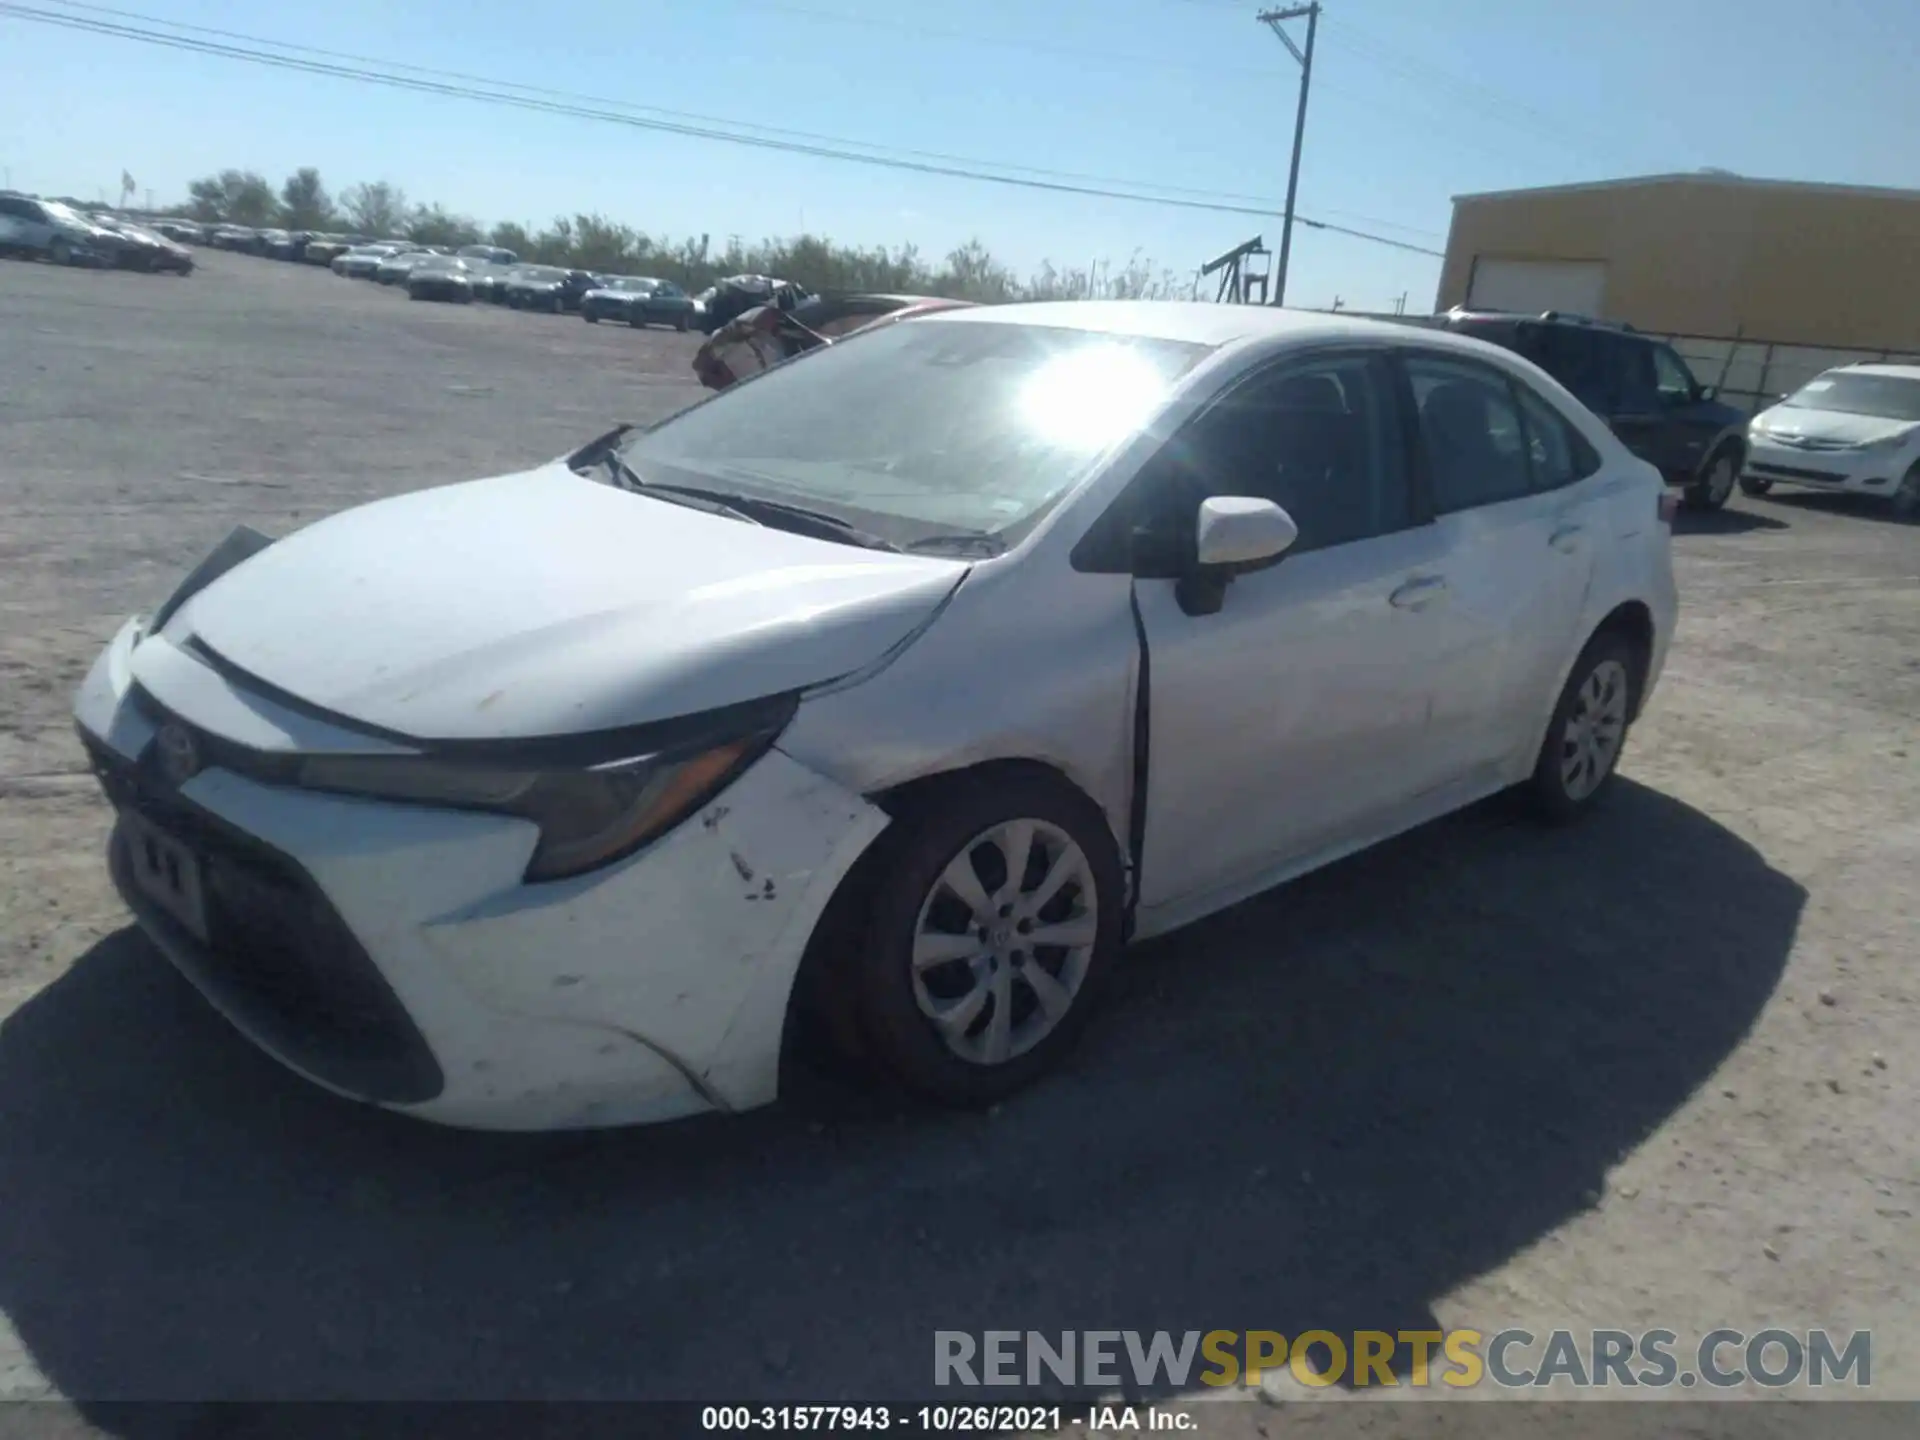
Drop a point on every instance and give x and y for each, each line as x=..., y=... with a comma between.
x=1853, y=472
x=391, y=953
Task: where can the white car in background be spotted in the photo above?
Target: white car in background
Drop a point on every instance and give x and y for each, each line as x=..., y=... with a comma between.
x=1854, y=430
x=893, y=692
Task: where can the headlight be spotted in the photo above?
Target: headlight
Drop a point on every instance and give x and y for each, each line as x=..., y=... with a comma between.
x=1886, y=442
x=587, y=818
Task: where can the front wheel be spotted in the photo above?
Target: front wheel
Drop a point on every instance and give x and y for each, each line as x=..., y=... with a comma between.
x=994, y=923
x=59, y=251
x=1714, y=486
x=1906, y=500
x=680, y=322
x=1755, y=485
x=588, y=316
x=1588, y=730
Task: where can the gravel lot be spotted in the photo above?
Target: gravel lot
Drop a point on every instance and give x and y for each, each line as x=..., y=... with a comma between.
x=1656, y=1070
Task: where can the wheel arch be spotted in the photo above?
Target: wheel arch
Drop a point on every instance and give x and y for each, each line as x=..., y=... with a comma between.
x=1632, y=620
x=816, y=1008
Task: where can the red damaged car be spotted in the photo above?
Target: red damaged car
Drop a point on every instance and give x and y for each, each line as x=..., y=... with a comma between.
x=768, y=334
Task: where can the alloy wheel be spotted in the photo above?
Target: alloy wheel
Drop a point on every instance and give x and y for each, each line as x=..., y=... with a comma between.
x=1003, y=940
x=1595, y=728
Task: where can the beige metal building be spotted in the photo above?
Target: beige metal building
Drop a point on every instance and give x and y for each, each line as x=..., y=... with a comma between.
x=1701, y=254
x=1761, y=284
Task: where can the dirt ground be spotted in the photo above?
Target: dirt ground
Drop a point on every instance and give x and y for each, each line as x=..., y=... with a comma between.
x=1655, y=1070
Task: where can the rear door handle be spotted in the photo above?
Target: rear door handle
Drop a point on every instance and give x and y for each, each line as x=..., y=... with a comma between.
x=1418, y=593
x=1567, y=538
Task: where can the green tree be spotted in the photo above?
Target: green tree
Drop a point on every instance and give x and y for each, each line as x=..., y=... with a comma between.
x=509, y=236
x=304, y=202
x=238, y=197
x=431, y=225
x=379, y=209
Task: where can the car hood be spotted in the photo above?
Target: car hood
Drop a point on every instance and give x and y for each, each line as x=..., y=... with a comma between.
x=544, y=603
x=1796, y=422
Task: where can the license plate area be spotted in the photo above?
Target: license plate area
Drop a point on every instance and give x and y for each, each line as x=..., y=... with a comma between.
x=168, y=873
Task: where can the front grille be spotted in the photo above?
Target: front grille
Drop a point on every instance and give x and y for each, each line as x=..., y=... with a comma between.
x=1794, y=472
x=278, y=957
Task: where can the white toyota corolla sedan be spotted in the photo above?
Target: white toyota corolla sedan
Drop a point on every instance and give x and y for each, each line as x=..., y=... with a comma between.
x=898, y=689
x=1855, y=429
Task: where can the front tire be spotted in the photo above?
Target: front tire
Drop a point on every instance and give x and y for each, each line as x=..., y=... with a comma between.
x=1906, y=500
x=1581, y=751
x=995, y=921
x=59, y=252
x=1714, y=487
x=1755, y=485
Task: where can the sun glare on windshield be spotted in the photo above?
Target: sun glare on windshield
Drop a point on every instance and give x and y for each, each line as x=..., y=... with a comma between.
x=1091, y=397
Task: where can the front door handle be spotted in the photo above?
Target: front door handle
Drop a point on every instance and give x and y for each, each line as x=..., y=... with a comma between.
x=1418, y=593
x=1567, y=538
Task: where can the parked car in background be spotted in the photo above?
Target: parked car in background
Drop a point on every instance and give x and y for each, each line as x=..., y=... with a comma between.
x=737, y=294
x=1640, y=386
x=395, y=269
x=360, y=262
x=489, y=282
x=183, y=231
x=322, y=249
x=547, y=287
x=142, y=248
x=236, y=237
x=442, y=277
x=1855, y=430
x=53, y=230
x=639, y=300
x=489, y=254
x=1245, y=615
x=768, y=334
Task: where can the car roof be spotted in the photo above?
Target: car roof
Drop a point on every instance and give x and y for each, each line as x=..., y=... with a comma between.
x=1198, y=322
x=1902, y=372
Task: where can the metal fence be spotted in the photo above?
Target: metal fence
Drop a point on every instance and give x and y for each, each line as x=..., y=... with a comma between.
x=1753, y=374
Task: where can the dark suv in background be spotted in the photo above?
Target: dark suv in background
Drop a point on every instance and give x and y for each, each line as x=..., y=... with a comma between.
x=1638, y=385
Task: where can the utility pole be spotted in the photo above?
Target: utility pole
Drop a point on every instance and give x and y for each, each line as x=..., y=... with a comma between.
x=1274, y=20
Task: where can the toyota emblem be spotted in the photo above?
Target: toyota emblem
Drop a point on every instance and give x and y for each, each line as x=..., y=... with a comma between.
x=179, y=756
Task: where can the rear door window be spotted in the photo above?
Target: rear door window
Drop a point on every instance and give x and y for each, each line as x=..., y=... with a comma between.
x=1470, y=427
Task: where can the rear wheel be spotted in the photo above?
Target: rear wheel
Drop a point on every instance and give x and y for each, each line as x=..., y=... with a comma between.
x=1714, y=486
x=1755, y=485
x=994, y=922
x=1588, y=730
x=59, y=251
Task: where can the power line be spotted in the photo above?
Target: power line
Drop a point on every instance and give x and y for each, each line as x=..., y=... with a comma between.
x=690, y=126
x=577, y=97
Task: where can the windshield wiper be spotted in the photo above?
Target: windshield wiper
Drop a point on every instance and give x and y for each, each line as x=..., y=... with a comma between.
x=760, y=511
x=978, y=541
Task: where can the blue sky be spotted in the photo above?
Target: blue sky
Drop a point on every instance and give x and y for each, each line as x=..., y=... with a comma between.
x=1413, y=101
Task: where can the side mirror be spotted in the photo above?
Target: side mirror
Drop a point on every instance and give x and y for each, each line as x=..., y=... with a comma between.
x=1706, y=392
x=1233, y=534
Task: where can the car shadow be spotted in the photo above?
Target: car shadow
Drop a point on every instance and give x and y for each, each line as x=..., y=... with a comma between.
x=1726, y=521
x=1325, y=1107
x=1862, y=507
